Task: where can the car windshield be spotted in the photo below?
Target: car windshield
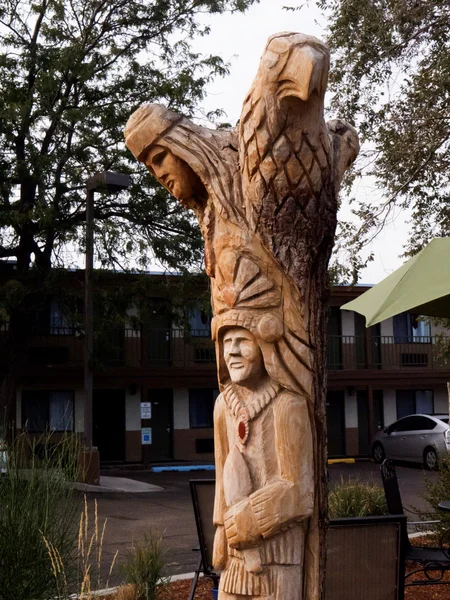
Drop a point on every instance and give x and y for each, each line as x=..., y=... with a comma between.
x=444, y=419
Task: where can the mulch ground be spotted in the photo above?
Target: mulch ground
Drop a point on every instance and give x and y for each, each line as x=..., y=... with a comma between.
x=430, y=592
x=179, y=590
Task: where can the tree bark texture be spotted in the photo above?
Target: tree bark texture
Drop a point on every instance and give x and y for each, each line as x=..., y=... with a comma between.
x=265, y=195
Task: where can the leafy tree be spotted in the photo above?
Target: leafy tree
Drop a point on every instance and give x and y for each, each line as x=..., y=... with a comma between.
x=391, y=77
x=71, y=73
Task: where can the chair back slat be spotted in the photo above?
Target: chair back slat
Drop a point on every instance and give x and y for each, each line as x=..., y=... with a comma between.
x=392, y=493
x=391, y=489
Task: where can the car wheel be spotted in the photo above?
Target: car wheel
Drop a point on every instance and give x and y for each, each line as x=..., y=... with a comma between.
x=378, y=453
x=430, y=459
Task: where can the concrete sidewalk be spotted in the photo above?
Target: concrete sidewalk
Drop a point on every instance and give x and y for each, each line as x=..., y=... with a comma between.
x=119, y=485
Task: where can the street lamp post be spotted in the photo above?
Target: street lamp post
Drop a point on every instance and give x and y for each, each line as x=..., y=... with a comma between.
x=106, y=182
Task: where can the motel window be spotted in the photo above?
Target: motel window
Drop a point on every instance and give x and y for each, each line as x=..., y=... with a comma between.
x=410, y=402
x=61, y=322
x=201, y=407
x=200, y=322
x=409, y=328
x=44, y=410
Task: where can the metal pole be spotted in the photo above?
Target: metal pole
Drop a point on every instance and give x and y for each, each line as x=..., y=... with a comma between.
x=89, y=318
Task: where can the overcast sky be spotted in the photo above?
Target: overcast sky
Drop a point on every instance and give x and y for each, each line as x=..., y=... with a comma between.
x=240, y=40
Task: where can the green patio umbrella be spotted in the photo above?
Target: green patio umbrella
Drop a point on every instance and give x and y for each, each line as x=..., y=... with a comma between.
x=420, y=286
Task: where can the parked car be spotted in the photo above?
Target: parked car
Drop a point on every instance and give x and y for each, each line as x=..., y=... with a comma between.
x=415, y=438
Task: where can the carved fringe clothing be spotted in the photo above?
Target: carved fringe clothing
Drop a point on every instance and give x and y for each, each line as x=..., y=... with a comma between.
x=278, y=457
x=286, y=548
x=280, y=582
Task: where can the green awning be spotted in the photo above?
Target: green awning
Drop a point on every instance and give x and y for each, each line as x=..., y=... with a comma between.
x=420, y=286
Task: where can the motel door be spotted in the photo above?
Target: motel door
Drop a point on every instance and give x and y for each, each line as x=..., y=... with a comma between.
x=161, y=424
x=336, y=423
x=108, y=420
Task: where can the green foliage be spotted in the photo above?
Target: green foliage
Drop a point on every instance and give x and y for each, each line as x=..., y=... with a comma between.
x=391, y=78
x=37, y=501
x=144, y=567
x=71, y=73
x=437, y=490
x=355, y=498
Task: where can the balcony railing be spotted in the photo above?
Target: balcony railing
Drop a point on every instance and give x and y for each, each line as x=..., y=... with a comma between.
x=384, y=352
x=124, y=347
x=160, y=348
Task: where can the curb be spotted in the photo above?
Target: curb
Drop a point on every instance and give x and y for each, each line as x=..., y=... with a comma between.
x=107, y=591
x=183, y=468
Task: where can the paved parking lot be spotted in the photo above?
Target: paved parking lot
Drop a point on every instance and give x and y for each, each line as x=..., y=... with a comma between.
x=170, y=512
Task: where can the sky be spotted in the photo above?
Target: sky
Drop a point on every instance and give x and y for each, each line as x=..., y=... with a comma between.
x=240, y=39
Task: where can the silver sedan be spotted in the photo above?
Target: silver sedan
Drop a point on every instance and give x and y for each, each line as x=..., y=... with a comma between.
x=415, y=438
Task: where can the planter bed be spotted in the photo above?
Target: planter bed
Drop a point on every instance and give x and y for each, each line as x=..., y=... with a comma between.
x=431, y=592
x=179, y=590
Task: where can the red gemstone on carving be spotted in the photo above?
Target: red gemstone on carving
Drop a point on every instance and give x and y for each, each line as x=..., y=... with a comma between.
x=242, y=430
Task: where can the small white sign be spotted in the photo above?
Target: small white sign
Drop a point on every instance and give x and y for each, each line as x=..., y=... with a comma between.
x=146, y=436
x=146, y=410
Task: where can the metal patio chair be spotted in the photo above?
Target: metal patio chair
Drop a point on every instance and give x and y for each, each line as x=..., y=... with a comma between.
x=202, y=492
x=365, y=558
x=354, y=545
x=434, y=561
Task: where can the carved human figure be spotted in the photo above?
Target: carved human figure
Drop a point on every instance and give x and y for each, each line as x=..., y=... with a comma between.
x=265, y=195
x=264, y=475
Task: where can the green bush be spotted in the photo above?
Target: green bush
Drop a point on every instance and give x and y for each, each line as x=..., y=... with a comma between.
x=144, y=567
x=437, y=490
x=37, y=503
x=356, y=499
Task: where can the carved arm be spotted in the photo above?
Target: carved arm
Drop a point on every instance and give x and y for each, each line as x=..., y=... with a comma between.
x=291, y=498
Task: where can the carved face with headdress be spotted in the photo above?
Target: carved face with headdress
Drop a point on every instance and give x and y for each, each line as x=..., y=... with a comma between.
x=250, y=314
x=145, y=134
x=184, y=157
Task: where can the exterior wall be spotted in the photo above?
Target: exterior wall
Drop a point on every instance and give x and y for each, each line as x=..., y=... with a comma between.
x=184, y=444
x=351, y=425
x=133, y=447
x=389, y=406
x=441, y=402
x=183, y=436
x=387, y=327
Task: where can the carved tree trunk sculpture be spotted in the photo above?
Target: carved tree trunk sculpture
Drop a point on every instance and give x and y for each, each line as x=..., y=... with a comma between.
x=265, y=195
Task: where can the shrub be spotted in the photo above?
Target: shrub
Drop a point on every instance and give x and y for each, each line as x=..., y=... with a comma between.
x=37, y=501
x=144, y=567
x=437, y=490
x=356, y=499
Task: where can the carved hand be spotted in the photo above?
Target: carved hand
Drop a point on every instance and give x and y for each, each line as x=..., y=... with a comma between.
x=241, y=526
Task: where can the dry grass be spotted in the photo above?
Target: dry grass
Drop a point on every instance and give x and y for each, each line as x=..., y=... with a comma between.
x=89, y=558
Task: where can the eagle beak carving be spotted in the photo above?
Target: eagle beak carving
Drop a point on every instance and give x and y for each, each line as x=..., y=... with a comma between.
x=297, y=64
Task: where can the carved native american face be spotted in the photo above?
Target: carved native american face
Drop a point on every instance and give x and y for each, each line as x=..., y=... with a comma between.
x=174, y=174
x=242, y=356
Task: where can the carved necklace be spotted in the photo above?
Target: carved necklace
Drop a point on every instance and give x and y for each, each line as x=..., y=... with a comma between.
x=245, y=413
